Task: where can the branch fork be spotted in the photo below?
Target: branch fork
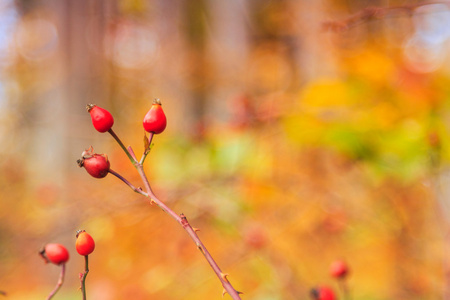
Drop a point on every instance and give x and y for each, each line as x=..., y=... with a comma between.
x=181, y=219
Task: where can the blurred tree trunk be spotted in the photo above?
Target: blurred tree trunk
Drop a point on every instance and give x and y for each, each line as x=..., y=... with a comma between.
x=65, y=82
x=316, y=57
x=228, y=47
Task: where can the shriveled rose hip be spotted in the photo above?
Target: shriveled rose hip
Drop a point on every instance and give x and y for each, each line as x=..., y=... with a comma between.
x=101, y=118
x=97, y=165
x=155, y=120
x=56, y=253
x=85, y=244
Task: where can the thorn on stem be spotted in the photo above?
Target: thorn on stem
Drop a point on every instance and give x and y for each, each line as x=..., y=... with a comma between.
x=199, y=247
x=224, y=292
x=195, y=229
x=224, y=276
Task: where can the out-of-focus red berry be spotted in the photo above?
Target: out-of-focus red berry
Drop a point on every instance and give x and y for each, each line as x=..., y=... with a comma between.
x=326, y=293
x=255, y=237
x=323, y=293
x=339, y=269
x=85, y=244
x=56, y=253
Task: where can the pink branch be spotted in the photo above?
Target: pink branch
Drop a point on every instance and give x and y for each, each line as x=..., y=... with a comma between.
x=59, y=283
x=372, y=13
x=181, y=219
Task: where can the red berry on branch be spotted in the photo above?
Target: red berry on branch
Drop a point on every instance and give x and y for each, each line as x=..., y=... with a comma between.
x=97, y=165
x=85, y=243
x=56, y=253
x=101, y=118
x=155, y=120
x=323, y=293
x=339, y=269
x=255, y=236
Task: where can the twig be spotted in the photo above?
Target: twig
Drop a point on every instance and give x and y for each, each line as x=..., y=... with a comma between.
x=83, y=276
x=372, y=13
x=130, y=150
x=133, y=160
x=181, y=219
x=344, y=288
x=58, y=284
x=137, y=190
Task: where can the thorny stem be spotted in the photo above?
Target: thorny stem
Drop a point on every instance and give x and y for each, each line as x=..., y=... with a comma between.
x=133, y=160
x=181, y=219
x=59, y=283
x=83, y=276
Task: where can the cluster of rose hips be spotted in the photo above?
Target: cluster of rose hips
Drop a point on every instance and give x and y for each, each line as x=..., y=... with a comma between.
x=58, y=254
x=98, y=165
x=339, y=270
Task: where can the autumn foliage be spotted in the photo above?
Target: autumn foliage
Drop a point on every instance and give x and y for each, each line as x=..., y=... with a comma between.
x=291, y=145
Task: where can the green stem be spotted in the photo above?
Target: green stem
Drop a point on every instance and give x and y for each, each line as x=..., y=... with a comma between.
x=114, y=135
x=83, y=276
x=130, y=150
x=59, y=283
x=344, y=288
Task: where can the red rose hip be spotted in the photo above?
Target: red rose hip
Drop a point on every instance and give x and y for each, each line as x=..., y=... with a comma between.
x=323, y=293
x=101, y=118
x=56, y=253
x=97, y=165
x=85, y=244
x=155, y=120
x=339, y=269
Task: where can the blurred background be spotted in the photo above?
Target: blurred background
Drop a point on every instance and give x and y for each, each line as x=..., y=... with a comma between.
x=291, y=142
